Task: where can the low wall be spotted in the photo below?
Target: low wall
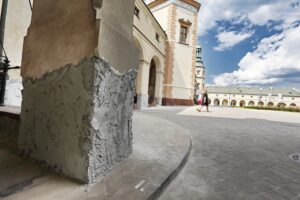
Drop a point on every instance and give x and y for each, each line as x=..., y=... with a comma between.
x=9, y=128
x=77, y=119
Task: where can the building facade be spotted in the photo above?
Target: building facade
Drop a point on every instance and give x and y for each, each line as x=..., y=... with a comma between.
x=165, y=33
x=253, y=96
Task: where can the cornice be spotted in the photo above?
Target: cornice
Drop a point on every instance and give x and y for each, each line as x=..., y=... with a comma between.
x=155, y=3
x=186, y=23
x=190, y=4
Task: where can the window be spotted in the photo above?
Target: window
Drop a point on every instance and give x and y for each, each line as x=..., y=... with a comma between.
x=157, y=37
x=137, y=12
x=198, y=52
x=183, y=34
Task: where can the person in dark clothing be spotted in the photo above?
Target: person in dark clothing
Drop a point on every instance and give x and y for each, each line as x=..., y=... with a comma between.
x=204, y=101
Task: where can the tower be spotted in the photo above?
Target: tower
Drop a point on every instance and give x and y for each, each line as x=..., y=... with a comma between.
x=200, y=70
x=179, y=18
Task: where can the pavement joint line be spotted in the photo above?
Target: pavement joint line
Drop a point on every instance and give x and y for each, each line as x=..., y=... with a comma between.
x=164, y=185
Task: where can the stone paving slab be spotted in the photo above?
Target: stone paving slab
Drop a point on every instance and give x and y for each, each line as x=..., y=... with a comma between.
x=236, y=159
x=160, y=149
x=241, y=113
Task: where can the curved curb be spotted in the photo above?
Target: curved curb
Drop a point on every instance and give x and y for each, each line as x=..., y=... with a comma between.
x=164, y=185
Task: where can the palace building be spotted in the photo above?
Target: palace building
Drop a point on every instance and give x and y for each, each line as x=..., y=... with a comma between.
x=165, y=34
x=253, y=96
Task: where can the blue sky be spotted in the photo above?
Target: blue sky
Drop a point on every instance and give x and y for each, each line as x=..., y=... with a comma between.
x=251, y=42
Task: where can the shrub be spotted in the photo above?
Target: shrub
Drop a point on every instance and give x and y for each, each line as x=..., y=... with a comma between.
x=274, y=108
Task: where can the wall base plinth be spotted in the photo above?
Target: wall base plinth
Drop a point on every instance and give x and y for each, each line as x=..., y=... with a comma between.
x=142, y=101
x=177, y=102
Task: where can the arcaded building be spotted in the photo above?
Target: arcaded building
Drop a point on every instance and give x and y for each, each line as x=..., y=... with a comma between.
x=165, y=34
x=253, y=96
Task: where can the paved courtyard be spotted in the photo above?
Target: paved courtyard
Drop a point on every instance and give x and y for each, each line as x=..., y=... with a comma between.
x=235, y=156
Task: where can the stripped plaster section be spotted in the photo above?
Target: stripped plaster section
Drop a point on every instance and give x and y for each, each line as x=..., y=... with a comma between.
x=194, y=44
x=77, y=120
x=169, y=62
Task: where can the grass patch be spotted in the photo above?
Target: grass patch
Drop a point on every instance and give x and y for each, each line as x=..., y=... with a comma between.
x=274, y=108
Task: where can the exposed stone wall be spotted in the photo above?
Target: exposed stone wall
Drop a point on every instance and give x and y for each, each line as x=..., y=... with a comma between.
x=77, y=120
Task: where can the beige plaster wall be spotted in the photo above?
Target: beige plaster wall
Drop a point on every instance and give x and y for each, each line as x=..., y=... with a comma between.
x=145, y=29
x=161, y=15
x=65, y=31
x=61, y=31
x=116, y=35
x=184, y=61
x=180, y=58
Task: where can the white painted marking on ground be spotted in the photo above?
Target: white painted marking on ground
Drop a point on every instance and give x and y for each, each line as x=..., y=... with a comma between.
x=142, y=189
x=138, y=186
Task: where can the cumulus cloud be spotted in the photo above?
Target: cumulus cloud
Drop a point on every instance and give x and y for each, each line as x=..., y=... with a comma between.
x=228, y=39
x=275, y=59
x=256, y=11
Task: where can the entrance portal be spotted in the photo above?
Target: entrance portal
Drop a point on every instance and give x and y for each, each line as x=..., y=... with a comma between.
x=151, y=85
x=216, y=102
x=242, y=103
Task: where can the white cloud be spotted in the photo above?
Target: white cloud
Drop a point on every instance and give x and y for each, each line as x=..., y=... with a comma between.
x=258, y=12
x=228, y=39
x=275, y=59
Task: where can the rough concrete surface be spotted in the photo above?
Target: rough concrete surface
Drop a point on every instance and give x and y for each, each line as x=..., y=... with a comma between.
x=77, y=120
x=9, y=128
x=159, y=149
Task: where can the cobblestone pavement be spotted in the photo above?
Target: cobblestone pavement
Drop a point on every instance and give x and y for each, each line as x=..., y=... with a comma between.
x=236, y=159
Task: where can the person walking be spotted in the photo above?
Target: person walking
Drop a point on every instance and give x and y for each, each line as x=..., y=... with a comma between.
x=199, y=99
x=204, y=101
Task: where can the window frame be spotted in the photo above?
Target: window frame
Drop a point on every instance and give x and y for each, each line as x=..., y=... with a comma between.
x=183, y=35
x=157, y=37
x=137, y=12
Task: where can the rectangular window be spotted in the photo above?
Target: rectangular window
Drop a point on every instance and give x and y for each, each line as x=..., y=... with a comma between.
x=157, y=37
x=183, y=34
x=137, y=12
